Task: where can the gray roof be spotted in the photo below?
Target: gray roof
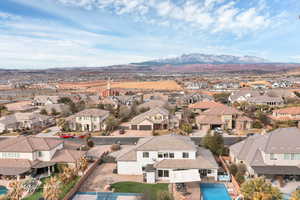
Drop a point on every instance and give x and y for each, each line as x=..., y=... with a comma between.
x=159, y=143
x=204, y=160
x=92, y=112
x=279, y=141
x=147, y=115
x=277, y=170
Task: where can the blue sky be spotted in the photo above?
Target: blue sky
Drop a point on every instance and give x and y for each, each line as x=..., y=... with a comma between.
x=72, y=33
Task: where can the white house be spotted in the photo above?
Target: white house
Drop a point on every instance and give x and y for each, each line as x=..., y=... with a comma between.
x=88, y=120
x=276, y=153
x=170, y=158
x=28, y=155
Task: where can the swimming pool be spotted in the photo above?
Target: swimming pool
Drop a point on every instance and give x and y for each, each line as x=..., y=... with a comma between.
x=3, y=190
x=102, y=195
x=214, y=191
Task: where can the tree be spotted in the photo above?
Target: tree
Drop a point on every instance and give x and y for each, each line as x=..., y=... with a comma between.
x=111, y=123
x=82, y=164
x=259, y=189
x=54, y=112
x=124, y=113
x=17, y=190
x=186, y=127
x=51, y=189
x=222, y=97
x=67, y=174
x=163, y=195
x=233, y=169
x=43, y=112
x=65, y=100
x=2, y=108
x=295, y=195
x=215, y=143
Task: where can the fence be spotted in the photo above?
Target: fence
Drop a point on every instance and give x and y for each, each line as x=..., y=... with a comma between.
x=83, y=178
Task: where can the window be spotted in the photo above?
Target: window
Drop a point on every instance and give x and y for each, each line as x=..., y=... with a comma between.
x=272, y=156
x=171, y=155
x=163, y=173
x=145, y=154
x=10, y=155
x=166, y=155
x=185, y=155
x=297, y=156
x=40, y=154
x=160, y=155
x=287, y=156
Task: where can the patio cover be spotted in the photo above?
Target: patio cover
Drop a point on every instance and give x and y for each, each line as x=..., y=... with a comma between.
x=277, y=170
x=184, y=176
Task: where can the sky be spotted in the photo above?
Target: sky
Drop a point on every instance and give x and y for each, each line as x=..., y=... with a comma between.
x=76, y=33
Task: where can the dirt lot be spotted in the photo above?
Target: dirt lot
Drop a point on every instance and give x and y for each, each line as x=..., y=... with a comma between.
x=149, y=85
x=103, y=176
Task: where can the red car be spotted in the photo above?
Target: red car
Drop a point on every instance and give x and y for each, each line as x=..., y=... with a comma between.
x=66, y=136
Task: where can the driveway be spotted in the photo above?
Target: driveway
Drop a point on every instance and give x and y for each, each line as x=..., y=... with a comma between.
x=103, y=175
x=53, y=131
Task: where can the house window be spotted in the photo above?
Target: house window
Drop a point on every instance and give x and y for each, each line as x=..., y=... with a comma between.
x=163, y=173
x=296, y=156
x=171, y=155
x=40, y=154
x=10, y=155
x=166, y=155
x=160, y=155
x=287, y=156
x=185, y=155
x=272, y=156
x=145, y=154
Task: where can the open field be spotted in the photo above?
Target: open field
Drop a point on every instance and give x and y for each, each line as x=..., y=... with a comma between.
x=81, y=85
x=148, y=85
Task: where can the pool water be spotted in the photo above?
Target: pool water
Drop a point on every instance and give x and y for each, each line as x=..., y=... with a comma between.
x=3, y=190
x=214, y=191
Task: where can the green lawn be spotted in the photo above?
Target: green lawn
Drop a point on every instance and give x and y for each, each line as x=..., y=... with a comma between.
x=64, y=190
x=134, y=187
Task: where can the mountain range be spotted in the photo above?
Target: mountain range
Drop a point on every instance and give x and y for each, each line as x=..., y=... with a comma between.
x=198, y=58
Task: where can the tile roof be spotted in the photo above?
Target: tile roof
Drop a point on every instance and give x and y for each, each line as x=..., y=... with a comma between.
x=148, y=114
x=28, y=144
x=92, y=112
x=289, y=110
x=222, y=110
x=67, y=156
x=204, y=160
x=205, y=105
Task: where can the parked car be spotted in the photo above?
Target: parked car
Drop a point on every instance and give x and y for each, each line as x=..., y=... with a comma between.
x=66, y=136
x=250, y=134
x=218, y=130
x=121, y=131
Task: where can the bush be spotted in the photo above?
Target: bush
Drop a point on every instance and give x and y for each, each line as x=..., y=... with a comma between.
x=257, y=124
x=115, y=147
x=90, y=143
x=240, y=178
x=233, y=169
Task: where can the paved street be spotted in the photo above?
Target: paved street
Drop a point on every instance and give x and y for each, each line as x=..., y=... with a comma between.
x=53, y=131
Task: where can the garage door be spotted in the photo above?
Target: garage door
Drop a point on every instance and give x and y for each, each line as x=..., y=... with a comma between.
x=145, y=127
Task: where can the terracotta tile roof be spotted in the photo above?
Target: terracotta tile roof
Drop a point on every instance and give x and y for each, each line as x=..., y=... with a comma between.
x=28, y=144
x=12, y=167
x=92, y=112
x=222, y=110
x=67, y=156
x=289, y=110
x=205, y=105
x=210, y=119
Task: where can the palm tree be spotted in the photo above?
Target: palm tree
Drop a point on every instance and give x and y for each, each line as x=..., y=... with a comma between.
x=259, y=189
x=51, y=189
x=295, y=195
x=82, y=164
x=16, y=191
x=68, y=174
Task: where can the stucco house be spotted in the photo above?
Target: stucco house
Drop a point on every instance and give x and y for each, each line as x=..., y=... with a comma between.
x=171, y=158
x=155, y=119
x=20, y=120
x=276, y=153
x=285, y=114
x=223, y=116
x=29, y=155
x=43, y=100
x=88, y=120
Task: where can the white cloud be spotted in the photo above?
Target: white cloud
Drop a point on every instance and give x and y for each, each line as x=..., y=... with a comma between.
x=8, y=16
x=209, y=15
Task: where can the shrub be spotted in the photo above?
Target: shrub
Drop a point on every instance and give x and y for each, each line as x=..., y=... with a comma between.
x=115, y=147
x=233, y=169
x=240, y=178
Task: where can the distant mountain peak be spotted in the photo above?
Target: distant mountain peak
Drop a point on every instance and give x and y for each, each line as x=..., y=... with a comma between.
x=200, y=58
